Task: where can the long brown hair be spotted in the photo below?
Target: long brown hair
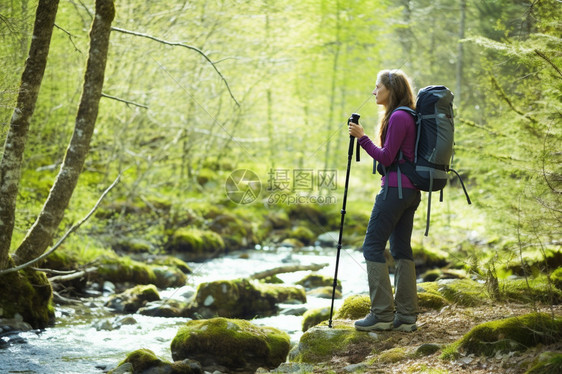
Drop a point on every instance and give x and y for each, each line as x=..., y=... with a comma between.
x=400, y=94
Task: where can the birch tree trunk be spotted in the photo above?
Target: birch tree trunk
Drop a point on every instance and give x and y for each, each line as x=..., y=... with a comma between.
x=460, y=54
x=41, y=233
x=14, y=146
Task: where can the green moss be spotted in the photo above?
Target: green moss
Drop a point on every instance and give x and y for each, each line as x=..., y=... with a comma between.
x=354, y=307
x=124, y=269
x=303, y=234
x=241, y=298
x=390, y=356
x=321, y=343
x=234, y=343
x=429, y=287
x=282, y=293
x=537, y=289
x=431, y=301
x=142, y=359
x=316, y=280
x=508, y=335
x=29, y=294
x=174, y=262
x=464, y=292
x=315, y=316
x=198, y=243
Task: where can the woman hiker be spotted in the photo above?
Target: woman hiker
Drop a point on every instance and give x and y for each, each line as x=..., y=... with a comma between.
x=392, y=217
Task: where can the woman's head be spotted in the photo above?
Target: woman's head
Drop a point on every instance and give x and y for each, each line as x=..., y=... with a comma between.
x=392, y=90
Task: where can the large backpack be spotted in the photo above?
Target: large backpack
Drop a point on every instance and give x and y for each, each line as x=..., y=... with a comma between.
x=433, y=154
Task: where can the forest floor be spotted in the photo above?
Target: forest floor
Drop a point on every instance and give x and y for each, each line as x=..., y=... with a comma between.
x=443, y=328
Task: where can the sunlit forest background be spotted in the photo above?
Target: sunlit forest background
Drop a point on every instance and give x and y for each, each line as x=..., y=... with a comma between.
x=195, y=90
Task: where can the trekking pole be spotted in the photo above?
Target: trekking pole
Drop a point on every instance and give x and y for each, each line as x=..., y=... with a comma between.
x=355, y=119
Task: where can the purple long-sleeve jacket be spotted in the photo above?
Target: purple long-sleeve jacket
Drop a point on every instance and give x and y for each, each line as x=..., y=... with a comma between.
x=401, y=135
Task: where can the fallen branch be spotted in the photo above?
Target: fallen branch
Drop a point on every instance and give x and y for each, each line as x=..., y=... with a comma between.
x=287, y=269
x=70, y=231
x=74, y=275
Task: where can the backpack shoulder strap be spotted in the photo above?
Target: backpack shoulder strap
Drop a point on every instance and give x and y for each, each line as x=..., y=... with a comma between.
x=406, y=109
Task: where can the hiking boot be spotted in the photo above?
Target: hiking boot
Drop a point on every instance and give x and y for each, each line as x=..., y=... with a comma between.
x=398, y=325
x=371, y=322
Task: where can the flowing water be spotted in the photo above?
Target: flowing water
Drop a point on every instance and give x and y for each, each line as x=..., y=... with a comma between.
x=75, y=345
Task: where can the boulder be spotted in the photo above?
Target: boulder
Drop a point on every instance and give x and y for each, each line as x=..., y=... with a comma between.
x=508, y=335
x=241, y=298
x=133, y=299
x=314, y=316
x=354, y=307
x=230, y=345
x=321, y=344
x=144, y=361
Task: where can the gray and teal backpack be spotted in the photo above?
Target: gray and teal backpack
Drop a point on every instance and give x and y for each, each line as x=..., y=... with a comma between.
x=435, y=129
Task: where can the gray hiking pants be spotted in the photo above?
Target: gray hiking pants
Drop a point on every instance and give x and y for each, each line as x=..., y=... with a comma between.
x=391, y=219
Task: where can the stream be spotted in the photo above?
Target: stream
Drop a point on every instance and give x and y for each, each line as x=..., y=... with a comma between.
x=75, y=345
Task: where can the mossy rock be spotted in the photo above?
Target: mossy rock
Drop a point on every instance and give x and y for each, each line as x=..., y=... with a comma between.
x=133, y=299
x=234, y=344
x=464, y=292
x=315, y=280
x=144, y=360
x=279, y=220
x=241, y=298
x=429, y=258
x=321, y=343
x=123, y=269
x=235, y=231
x=547, y=363
x=133, y=245
x=390, y=356
x=29, y=294
x=314, y=316
x=195, y=244
x=431, y=275
x=272, y=279
x=508, y=335
x=354, y=307
x=303, y=234
x=171, y=261
x=326, y=292
x=167, y=276
x=308, y=213
x=427, y=300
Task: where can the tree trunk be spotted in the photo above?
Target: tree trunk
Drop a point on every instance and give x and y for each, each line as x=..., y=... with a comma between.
x=10, y=166
x=460, y=54
x=335, y=68
x=41, y=233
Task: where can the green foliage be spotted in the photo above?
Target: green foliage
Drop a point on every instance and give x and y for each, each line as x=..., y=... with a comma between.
x=296, y=70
